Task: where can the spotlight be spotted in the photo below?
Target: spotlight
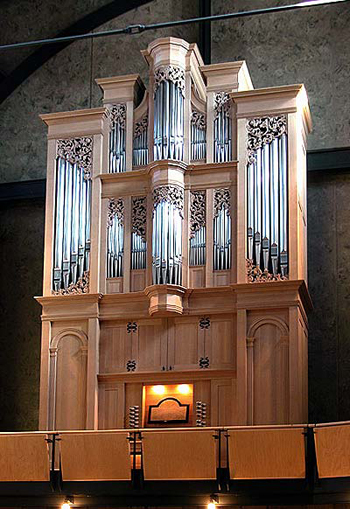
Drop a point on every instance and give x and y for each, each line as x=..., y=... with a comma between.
x=67, y=504
x=212, y=502
x=158, y=389
x=184, y=389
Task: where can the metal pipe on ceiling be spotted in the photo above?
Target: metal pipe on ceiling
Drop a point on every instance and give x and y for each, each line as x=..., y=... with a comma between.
x=136, y=29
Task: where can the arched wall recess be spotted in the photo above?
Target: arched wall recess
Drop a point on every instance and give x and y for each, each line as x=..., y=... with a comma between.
x=268, y=371
x=68, y=365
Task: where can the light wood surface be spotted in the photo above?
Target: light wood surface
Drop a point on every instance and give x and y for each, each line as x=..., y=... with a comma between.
x=267, y=454
x=333, y=450
x=248, y=376
x=179, y=455
x=95, y=457
x=24, y=458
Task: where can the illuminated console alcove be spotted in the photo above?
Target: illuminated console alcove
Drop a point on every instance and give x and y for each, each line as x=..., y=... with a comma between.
x=168, y=405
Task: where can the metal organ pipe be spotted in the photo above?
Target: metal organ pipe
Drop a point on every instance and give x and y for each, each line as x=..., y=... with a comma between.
x=140, y=144
x=72, y=224
x=169, y=113
x=267, y=199
x=117, y=138
x=197, y=227
x=222, y=230
x=222, y=128
x=167, y=235
x=138, y=234
x=198, y=136
x=115, y=238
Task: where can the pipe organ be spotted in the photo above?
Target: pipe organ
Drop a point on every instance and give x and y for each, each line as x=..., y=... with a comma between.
x=169, y=84
x=175, y=273
x=117, y=138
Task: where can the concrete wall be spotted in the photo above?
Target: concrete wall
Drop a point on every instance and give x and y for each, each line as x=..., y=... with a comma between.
x=329, y=284
x=310, y=46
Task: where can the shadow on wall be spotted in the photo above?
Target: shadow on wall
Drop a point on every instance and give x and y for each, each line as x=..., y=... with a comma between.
x=21, y=259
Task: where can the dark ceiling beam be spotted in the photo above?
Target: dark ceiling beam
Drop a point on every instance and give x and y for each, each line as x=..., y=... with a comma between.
x=86, y=24
x=205, y=31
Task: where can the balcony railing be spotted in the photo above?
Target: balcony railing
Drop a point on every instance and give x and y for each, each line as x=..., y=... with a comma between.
x=222, y=459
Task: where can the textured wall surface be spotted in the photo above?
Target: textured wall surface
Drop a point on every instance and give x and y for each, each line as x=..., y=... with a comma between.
x=310, y=46
x=329, y=284
x=21, y=259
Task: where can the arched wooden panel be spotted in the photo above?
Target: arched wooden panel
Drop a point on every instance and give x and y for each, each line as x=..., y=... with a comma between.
x=70, y=400
x=270, y=380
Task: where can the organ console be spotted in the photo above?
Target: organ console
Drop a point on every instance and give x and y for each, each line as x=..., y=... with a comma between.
x=175, y=251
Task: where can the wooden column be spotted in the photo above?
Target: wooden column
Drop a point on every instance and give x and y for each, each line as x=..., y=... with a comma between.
x=92, y=371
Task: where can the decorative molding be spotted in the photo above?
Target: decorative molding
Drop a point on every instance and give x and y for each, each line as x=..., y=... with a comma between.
x=81, y=286
x=139, y=216
x=204, y=362
x=170, y=73
x=222, y=199
x=70, y=331
x=197, y=211
x=256, y=275
x=131, y=327
x=263, y=130
x=199, y=120
x=117, y=115
x=77, y=151
x=222, y=101
x=131, y=365
x=141, y=126
x=250, y=342
x=204, y=323
x=115, y=208
x=171, y=194
x=272, y=320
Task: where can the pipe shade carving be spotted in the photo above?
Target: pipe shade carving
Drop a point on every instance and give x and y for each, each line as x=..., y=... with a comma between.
x=72, y=216
x=267, y=192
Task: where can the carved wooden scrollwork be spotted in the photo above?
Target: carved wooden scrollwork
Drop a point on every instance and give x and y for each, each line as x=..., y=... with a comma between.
x=141, y=126
x=256, y=275
x=117, y=114
x=199, y=120
x=222, y=199
x=263, y=130
x=139, y=216
x=77, y=151
x=170, y=73
x=81, y=286
x=221, y=101
x=171, y=194
x=197, y=211
x=115, y=208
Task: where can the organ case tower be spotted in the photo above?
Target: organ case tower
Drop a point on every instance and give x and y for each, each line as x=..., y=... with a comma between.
x=175, y=275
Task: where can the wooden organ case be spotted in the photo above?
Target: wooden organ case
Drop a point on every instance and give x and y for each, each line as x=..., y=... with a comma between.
x=175, y=275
